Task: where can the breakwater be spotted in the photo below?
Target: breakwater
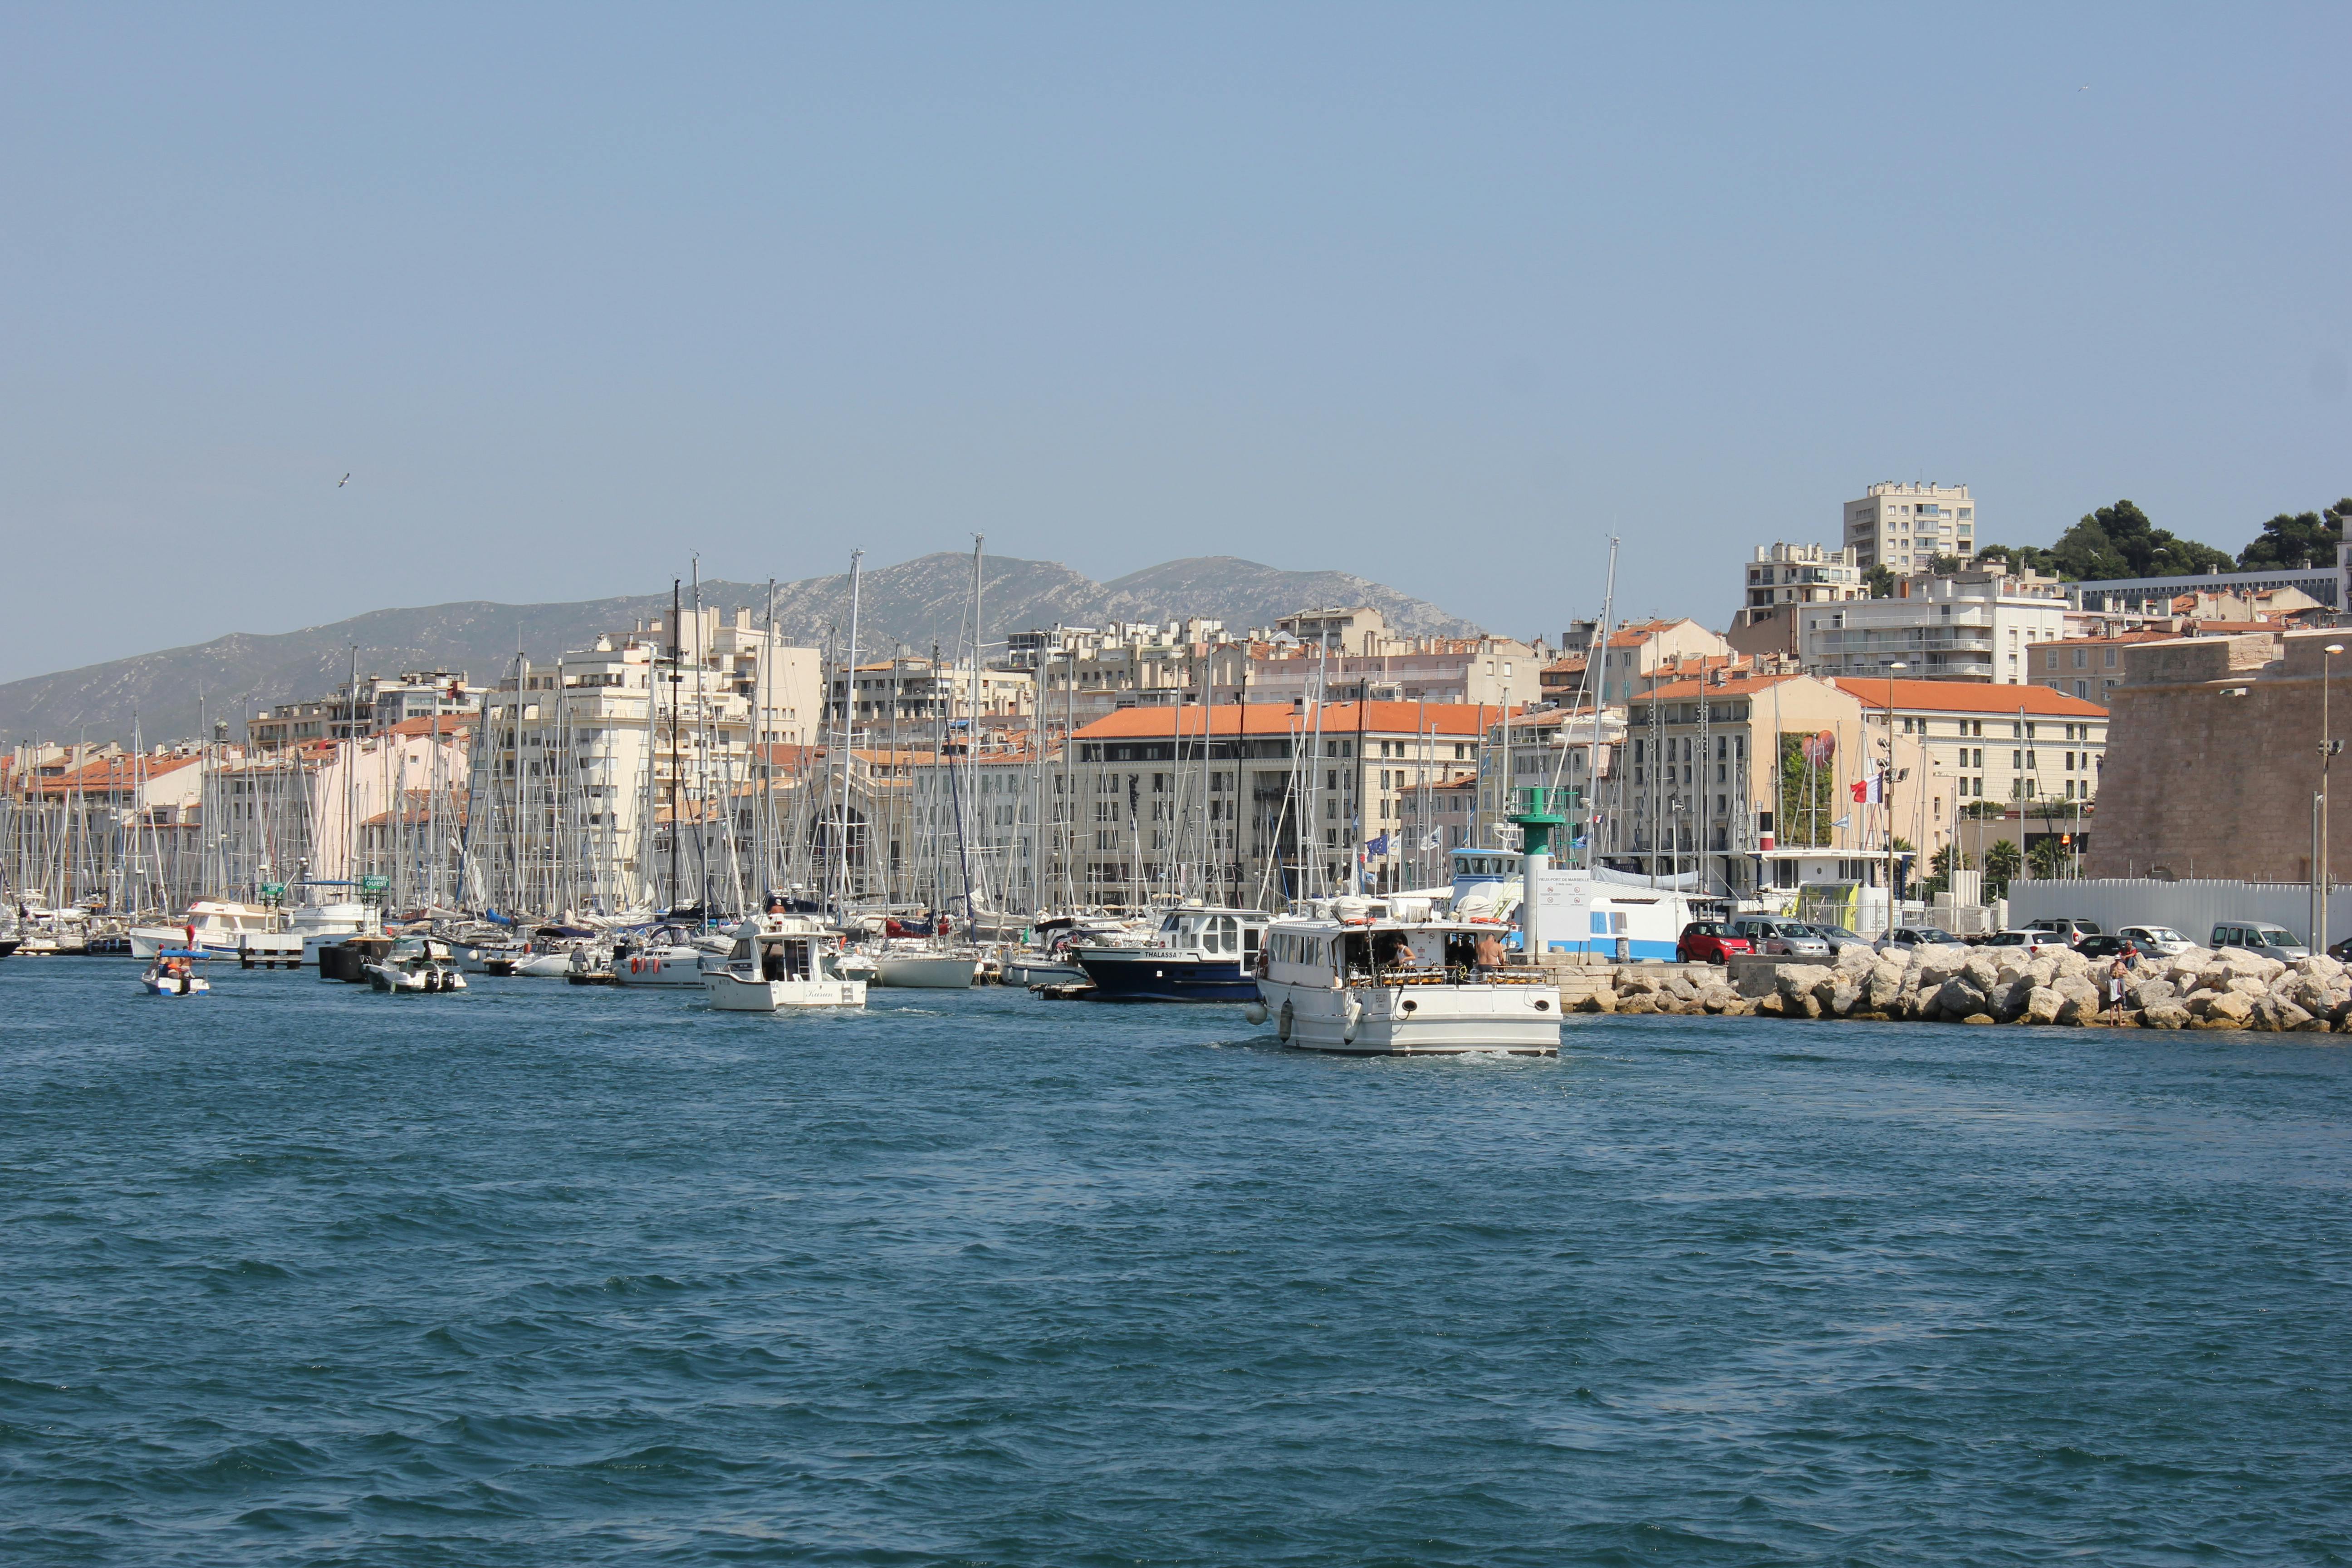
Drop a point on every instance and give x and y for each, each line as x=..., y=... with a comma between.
x=2198, y=989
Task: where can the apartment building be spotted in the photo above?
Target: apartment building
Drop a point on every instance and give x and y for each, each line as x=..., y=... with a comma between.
x=1495, y=670
x=1778, y=580
x=1083, y=673
x=912, y=696
x=591, y=772
x=1970, y=625
x=1905, y=527
x=1633, y=655
x=2090, y=667
x=1253, y=802
x=374, y=704
x=2012, y=745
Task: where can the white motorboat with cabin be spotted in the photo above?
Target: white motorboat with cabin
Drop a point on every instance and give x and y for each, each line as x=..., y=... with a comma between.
x=416, y=964
x=221, y=928
x=779, y=960
x=1391, y=977
x=325, y=924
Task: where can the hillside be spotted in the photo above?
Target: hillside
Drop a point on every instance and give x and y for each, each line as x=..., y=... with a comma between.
x=913, y=604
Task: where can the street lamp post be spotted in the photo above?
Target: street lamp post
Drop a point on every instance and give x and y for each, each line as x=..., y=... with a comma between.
x=2327, y=747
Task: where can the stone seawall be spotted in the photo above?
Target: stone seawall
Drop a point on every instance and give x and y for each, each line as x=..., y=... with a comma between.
x=2199, y=989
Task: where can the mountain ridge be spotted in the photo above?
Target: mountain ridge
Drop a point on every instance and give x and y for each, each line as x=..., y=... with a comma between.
x=173, y=693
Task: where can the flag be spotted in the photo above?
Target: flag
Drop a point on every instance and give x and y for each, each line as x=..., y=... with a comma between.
x=1869, y=791
x=1845, y=821
x=1436, y=838
x=1379, y=845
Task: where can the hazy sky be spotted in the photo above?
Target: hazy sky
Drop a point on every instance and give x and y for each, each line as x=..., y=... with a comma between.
x=1441, y=294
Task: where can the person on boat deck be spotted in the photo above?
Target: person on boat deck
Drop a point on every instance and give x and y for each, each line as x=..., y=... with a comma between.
x=1489, y=951
x=1390, y=950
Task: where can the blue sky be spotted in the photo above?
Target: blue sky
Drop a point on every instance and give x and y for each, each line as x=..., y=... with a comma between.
x=1438, y=294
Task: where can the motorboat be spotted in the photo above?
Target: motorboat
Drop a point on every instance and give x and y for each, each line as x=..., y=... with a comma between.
x=348, y=960
x=667, y=957
x=918, y=965
x=1199, y=953
x=554, y=952
x=490, y=955
x=779, y=961
x=416, y=964
x=1047, y=959
x=176, y=972
x=324, y=924
x=220, y=927
x=1388, y=977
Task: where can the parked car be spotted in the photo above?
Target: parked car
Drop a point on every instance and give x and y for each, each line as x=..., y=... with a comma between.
x=1708, y=941
x=2341, y=952
x=1838, y=938
x=2261, y=938
x=1778, y=938
x=2162, y=941
x=2073, y=930
x=1904, y=938
x=2039, y=941
x=2104, y=947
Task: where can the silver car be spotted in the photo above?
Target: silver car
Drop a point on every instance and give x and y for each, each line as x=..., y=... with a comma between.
x=1906, y=938
x=1780, y=938
x=2259, y=938
x=2161, y=940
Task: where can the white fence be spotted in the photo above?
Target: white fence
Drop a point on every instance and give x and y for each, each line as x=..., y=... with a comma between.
x=2190, y=908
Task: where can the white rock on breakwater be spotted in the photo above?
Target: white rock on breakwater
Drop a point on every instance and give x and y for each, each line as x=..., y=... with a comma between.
x=2199, y=989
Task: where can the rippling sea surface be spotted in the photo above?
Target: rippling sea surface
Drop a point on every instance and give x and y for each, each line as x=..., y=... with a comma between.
x=301, y=1274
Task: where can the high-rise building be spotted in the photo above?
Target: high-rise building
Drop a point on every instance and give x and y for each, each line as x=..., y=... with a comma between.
x=1905, y=527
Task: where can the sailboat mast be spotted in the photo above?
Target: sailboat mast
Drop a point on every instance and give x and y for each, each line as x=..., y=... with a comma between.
x=848, y=735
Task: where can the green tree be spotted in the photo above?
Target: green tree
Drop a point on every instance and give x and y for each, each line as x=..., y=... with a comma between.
x=2304, y=538
x=2002, y=862
x=1808, y=803
x=2116, y=541
x=1944, y=565
x=1880, y=581
x=2049, y=858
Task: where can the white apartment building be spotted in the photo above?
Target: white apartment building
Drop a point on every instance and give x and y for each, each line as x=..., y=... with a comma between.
x=582, y=765
x=1083, y=673
x=1905, y=527
x=1493, y=670
x=1780, y=573
x=915, y=695
x=1972, y=626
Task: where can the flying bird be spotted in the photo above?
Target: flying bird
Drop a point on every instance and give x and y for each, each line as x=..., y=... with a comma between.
x=341, y=482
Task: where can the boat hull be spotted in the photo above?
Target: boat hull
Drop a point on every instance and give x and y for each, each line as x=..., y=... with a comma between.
x=1165, y=974
x=680, y=969
x=733, y=994
x=1416, y=1020
x=925, y=974
x=189, y=985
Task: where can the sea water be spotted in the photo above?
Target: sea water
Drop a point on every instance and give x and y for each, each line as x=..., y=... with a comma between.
x=302, y=1274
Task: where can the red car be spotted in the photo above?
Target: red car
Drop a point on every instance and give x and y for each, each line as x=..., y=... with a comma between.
x=1708, y=941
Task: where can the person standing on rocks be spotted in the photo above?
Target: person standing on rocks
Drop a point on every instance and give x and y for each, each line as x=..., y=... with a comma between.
x=2118, y=976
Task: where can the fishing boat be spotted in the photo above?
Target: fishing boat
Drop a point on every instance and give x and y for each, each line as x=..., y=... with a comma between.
x=779, y=960
x=1199, y=953
x=416, y=964
x=1389, y=978
x=176, y=971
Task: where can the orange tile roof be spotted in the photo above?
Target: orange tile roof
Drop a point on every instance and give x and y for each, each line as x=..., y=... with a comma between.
x=1465, y=719
x=450, y=723
x=1966, y=696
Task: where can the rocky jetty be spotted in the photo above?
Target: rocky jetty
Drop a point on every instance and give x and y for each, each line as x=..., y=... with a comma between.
x=2199, y=989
